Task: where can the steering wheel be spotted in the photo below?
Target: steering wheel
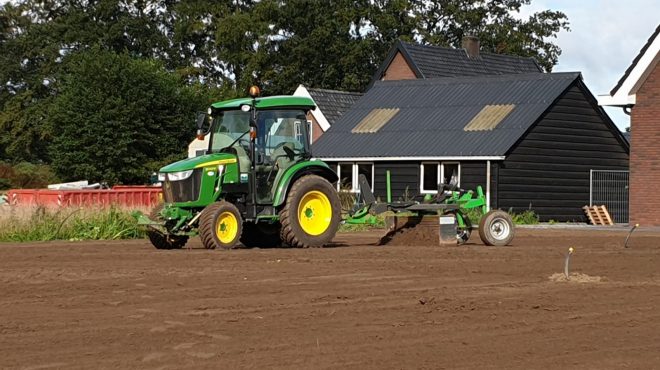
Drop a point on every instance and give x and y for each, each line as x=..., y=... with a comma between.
x=290, y=152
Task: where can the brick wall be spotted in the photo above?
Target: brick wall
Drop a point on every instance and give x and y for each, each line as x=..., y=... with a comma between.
x=399, y=70
x=645, y=153
x=317, y=131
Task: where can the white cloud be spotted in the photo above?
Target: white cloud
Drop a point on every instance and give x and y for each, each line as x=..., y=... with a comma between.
x=605, y=37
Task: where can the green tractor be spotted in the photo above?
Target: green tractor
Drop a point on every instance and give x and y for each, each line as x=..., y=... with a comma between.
x=257, y=184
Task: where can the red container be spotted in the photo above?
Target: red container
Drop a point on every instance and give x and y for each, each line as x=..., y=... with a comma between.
x=121, y=196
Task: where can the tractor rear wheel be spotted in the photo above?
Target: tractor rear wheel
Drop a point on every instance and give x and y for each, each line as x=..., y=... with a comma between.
x=496, y=228
x=311, y=213
x=160, y=240
x=260, y=236
x=220, y=225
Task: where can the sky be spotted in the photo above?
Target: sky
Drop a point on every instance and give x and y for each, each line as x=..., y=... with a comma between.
x=605, y=37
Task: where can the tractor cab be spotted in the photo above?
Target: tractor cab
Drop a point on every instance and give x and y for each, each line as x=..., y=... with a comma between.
x=280, y=138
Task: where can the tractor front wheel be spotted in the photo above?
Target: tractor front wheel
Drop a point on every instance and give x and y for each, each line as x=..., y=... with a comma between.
x=220, y=225
x=496, y=228
x=160, y=240
x=311, y=214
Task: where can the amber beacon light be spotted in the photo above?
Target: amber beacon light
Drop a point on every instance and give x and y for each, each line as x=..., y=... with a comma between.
x=254, y=91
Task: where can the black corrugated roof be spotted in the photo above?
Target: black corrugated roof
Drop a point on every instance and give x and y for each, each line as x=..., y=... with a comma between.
x=636, y=60
x=435, y=61
x=434, y=112
x=333, y=103
x=430, y=61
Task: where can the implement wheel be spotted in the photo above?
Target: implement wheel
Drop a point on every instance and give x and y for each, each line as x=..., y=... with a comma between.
x=220, y=225
x=260, y=236
x=311, y=214
x=463, y=234
x=496, y=228
x=160, y=240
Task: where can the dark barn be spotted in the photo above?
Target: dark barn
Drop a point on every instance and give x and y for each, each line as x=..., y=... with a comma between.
x=530, y=140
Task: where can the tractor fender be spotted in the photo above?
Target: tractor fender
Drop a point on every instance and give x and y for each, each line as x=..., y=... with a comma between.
x=296, y=171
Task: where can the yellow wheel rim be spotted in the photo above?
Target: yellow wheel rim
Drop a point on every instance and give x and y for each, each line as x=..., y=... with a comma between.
x=314, y=213
x=226, y=228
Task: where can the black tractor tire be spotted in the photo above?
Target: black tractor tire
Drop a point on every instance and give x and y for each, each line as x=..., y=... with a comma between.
x=261, y=236
x=160, y=240
x=496, y=228
x=220, y=225
x=293, y=231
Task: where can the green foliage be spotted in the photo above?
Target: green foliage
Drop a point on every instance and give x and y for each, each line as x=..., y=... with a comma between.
x=42, y=224
x=26, y=175
x=474, y=215
x=130, y=71
x=115, y=114
x=527, y=217
x=496, y=26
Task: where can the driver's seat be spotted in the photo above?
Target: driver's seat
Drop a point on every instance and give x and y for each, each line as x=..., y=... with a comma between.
x=281, y=160
x=279, y=156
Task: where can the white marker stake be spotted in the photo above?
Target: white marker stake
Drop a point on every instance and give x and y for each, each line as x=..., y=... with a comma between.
x=567, y=262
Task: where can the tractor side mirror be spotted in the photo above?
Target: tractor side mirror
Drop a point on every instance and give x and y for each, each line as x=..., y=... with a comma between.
x=201, y=118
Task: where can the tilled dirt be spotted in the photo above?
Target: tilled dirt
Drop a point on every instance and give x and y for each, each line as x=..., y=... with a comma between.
x=355, y=305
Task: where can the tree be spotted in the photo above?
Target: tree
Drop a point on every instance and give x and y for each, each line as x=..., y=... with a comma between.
x=495, y=24
x=339, y=44
x=115, y=117
x=225, y=45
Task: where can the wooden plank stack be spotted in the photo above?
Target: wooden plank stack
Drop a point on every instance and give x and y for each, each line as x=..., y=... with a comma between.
x=598, y=215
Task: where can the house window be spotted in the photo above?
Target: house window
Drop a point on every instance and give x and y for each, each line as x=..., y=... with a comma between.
x=429, y=177
x=434, y=173
x=349, y=173
x=450, y=170
x=366, y=169
x=345, y=173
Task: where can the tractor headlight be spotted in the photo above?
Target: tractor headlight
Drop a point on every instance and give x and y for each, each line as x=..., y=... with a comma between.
x=178, y=176
x=161, y=177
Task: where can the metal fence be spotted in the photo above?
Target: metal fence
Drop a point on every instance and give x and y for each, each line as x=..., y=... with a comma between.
x=610, y=188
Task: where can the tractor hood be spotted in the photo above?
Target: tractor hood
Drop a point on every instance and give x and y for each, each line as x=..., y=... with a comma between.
x=201, y=161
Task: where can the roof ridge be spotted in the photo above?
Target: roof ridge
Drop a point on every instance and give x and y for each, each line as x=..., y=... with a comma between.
x=449, y=48
x=481, y=78
x=334, y=91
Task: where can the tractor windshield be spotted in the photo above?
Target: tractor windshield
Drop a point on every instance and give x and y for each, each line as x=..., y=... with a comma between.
x=279, y=128
x=275, y=129
x=227, y=128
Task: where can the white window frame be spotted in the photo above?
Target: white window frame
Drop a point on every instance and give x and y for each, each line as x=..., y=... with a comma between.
x=440, y=175
x=355, y=173
x=421, y=177
x=310, y=125
x=339, y=175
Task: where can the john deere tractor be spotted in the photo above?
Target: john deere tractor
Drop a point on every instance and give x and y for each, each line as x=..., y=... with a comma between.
x=256, y=184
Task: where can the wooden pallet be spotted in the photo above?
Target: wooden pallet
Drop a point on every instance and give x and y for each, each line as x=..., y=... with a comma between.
x=598, y=215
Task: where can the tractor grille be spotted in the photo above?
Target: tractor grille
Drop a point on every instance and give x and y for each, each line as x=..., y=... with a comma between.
x=185, y=190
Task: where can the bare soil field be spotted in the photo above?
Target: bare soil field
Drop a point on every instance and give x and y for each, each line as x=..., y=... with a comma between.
x=354, y=305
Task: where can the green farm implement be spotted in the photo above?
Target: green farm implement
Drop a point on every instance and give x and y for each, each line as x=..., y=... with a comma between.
x=423, y=219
